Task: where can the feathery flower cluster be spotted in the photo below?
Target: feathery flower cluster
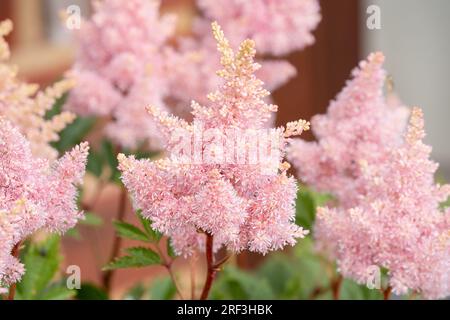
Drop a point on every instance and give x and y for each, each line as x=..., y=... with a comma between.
x=25, y=107
x=34, y=194
x=387, y=205
x=243, y=208
x=122, y=65
x=398, y=224
x=116, y=77
x=278, y=27
x=359, y=125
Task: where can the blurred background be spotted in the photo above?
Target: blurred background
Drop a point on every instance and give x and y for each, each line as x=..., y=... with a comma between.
x=413, y=35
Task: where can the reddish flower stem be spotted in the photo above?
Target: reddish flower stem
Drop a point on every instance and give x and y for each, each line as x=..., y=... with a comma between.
x=12, y=289
x=117, y=242
x=336, y=287
x=211, y=268
x=386, y=293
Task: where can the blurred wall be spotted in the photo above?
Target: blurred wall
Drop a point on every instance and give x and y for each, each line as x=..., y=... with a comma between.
x=414, y=36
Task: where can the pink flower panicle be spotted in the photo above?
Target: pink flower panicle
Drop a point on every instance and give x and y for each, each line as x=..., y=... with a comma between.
x=121, y=66
x=34, y=194
x=398, y=224
x=25, y=106
x=359, y=125
x=240, y=205
x=129, y=57
x=278, y=27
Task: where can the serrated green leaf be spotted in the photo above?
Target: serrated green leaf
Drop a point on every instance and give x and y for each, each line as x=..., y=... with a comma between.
x=162, y=289
x=138, y=257
x=129, y=231
x=146, y=224
x=144, y=255
x=41, y=263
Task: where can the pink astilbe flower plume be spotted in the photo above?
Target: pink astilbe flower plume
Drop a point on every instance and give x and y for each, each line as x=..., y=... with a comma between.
x=121, y=65
x=360, y=124
x=245, y=205
x=398, y=224
x=34, y=194
x=278, y=27
x=25, y=106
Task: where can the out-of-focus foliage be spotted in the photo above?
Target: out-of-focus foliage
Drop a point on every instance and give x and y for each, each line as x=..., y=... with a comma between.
x=42, y=262
x=89, y=291
x=138, y=256
x=301, y=275
x=161, y=288
x=306, y=204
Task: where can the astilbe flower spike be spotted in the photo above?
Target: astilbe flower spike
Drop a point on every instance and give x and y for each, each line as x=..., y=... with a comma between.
x=121, y=65
x=34, y=194
x=398, y=224
x=240, y=204
x=359, y=125
x=23, y=105
x=129, y=56
x=278, y=28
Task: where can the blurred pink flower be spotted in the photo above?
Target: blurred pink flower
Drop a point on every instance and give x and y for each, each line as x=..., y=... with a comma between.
x=34, y=194
x=25, y=106
x=359, y=125
x=277, y=27
x=122, y=47
x=397, y=224
x=243, y=207
x=126, y=43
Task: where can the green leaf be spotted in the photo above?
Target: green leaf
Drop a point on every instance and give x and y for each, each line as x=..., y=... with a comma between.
x=445, y=204
x=73, y=233
x=170, y=250
x=57, y=107
x=110, y=155
x=306, y=205
x=135, y=293
x=91, y=219
x=129, y=231
x=56, y=292
x=74, y=133
x=41, y=263
x=95, y=163
x=138, y=257
x=89, y=291
x=233, y=283
x=144, y=255
x=162, y=289
x=350, y=290
x=146, y=224
x=305, y=210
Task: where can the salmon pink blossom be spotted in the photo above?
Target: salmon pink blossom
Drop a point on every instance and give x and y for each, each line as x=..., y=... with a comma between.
x=242, y=205
x=34, y=194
